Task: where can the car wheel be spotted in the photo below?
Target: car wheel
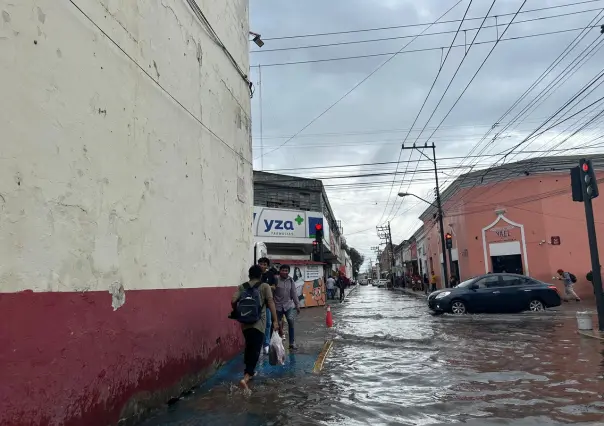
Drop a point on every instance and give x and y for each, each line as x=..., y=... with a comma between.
x=536, y=306
x=458, y=307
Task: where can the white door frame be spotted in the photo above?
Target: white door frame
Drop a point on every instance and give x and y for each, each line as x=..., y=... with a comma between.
x=501, y=216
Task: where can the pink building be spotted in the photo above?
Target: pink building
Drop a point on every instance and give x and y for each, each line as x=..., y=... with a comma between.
x=517, y=218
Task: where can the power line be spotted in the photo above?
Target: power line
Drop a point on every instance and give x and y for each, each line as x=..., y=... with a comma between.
x=355, y=86
x=372, y=132
x=421, y=109
x=422, y=24
x=573, y=44
x=327, y=166
x=466, y=52
x=375, y=40
x=198, y=120
x=427, y=49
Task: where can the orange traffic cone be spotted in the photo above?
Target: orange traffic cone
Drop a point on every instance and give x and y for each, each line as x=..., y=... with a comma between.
x=328, y=318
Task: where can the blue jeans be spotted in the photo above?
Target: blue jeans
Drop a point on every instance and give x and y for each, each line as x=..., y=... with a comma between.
x=269, y=327
x=290, y=316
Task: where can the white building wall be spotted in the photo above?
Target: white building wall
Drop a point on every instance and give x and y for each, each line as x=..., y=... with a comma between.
x=106, y=173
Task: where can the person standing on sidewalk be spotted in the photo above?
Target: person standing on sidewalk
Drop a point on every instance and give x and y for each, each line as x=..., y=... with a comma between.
x=253, y=332
x=433, y=280
x=341, y=285
x=287, y=303
x=331, y=287
x=569, y=282
x=269, y=276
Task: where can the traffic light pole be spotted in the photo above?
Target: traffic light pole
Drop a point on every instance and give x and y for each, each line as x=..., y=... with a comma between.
x=595, y=261
x=593, y=249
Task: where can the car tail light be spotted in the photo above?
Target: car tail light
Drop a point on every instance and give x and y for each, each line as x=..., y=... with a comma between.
x=553, y=287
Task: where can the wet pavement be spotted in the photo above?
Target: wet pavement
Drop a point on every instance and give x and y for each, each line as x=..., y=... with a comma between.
x=393, y=363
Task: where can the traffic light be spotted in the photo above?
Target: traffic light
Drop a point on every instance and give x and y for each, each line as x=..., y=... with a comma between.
x=318, y=232
x=575, y=184
x=589, y=179
x=316, y=244
x=449, y=240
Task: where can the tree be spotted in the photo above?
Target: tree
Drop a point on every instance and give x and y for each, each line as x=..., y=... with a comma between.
x=357, y=260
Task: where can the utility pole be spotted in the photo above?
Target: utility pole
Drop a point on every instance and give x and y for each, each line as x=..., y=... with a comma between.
x=378, y=260
x=585, y=188
x=385, y=234
x=438, y=206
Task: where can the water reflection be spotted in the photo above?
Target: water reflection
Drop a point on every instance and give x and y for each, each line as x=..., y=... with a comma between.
x=394, y=364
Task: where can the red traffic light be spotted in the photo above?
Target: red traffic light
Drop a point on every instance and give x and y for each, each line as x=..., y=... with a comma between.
x=318, y=226
x=448, y=236
x=315, y=242
x=585, y=167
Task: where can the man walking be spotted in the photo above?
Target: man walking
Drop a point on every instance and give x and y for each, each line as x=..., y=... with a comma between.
x=286, y=303
x=331, y=287
x=249, y=307
x=569, y=281
x=269, y=276
x=341, y=285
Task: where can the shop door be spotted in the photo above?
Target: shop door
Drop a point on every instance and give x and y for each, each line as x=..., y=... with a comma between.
x=512, y=264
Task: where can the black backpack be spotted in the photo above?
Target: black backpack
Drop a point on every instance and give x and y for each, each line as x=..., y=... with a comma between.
x=573, y=279
x=249, y=305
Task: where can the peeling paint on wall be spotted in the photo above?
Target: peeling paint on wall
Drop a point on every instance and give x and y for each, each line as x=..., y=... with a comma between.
x=118, y=295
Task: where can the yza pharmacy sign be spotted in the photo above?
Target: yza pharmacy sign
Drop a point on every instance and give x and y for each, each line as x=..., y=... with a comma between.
x=282, y=223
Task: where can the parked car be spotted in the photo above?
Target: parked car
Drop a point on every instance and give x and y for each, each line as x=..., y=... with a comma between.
x=375, y=283
x=495, y=293
x=364, y=282
x=382, y=283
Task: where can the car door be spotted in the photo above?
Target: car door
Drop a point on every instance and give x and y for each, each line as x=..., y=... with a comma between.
x=510, y=296
x=481, y=299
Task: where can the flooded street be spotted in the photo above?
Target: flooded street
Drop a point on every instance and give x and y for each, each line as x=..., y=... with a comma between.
x=392, y=363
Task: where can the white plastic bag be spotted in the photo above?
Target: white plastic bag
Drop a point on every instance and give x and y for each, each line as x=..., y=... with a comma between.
x=276, y=351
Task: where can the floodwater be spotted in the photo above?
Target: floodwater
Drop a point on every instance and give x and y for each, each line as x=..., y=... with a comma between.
x=393, y=363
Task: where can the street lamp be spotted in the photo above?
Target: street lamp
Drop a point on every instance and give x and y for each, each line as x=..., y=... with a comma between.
x=438, y=206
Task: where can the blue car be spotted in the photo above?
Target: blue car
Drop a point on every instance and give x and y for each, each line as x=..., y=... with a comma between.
x=495, y=293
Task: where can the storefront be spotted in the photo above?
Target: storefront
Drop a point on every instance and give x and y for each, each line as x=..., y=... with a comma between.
x=308, y=278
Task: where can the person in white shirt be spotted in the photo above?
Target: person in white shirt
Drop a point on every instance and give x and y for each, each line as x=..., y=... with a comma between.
x=331, y=287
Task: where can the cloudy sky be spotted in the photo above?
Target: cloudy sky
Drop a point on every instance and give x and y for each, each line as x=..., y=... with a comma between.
x=299, y=85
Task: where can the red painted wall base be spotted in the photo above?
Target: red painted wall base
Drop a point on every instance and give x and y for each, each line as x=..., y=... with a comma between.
x=69, y=359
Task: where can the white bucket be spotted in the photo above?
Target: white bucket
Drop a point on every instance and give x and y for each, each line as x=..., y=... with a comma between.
x=584, y=320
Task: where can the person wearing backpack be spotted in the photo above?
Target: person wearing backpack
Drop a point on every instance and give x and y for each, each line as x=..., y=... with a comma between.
x=269, y=276
x=249, y=304
x=569, y=281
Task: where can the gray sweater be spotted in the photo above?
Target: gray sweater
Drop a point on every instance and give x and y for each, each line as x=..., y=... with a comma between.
x=285, y=295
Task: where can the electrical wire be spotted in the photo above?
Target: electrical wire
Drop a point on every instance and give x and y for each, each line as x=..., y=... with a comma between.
x=549, y=69
x=439, y=159
x=420, y=111
x=201, y=16
x=375, y=40
x=423, y=24
x=447, y=89
x=426, y=49
x=198, y=120
x=354, y=87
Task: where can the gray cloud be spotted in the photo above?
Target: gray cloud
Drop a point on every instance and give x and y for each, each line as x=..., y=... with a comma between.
x=390, y=100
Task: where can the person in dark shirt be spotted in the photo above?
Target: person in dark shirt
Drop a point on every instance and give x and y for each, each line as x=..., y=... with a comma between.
x=269, y=276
